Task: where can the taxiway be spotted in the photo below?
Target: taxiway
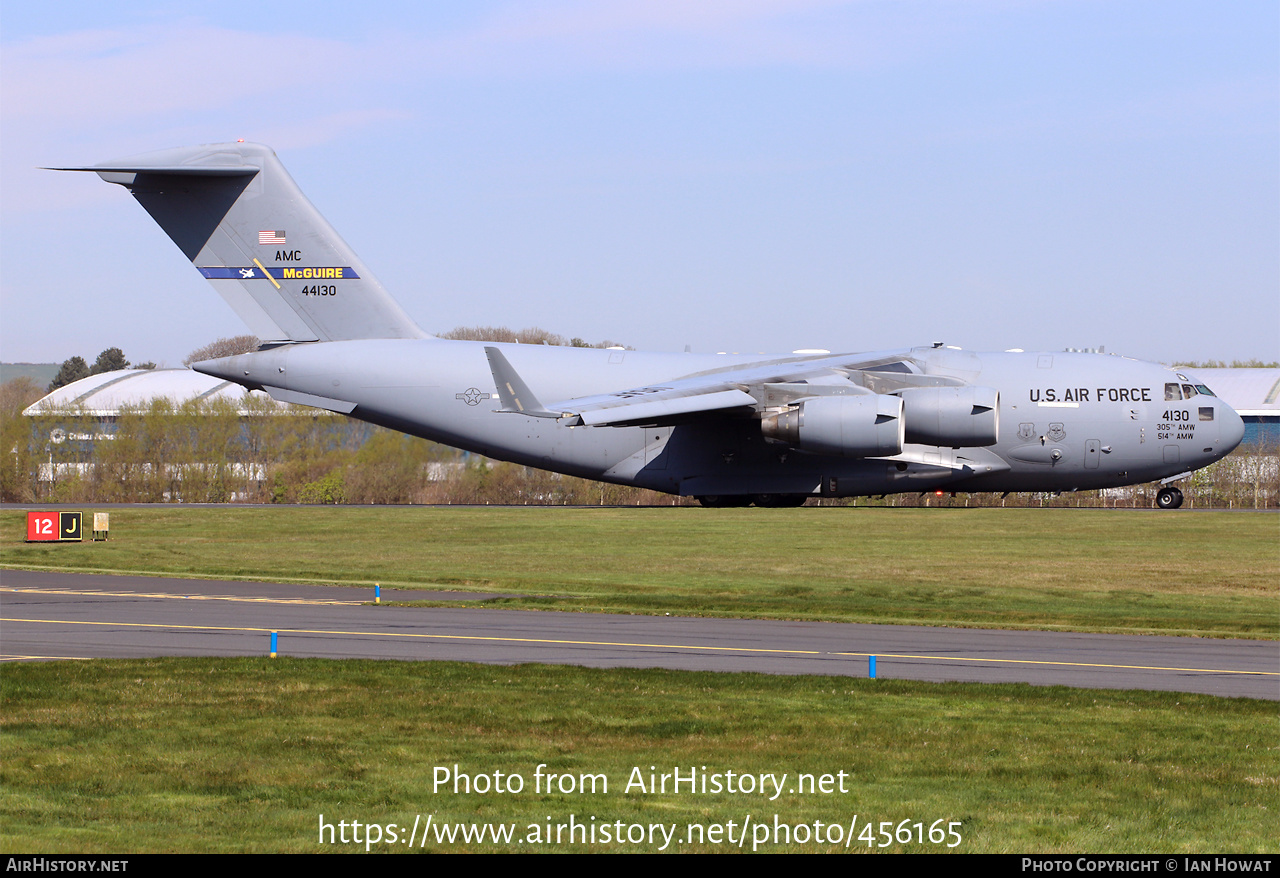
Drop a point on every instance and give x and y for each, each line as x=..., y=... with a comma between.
x=68, y=616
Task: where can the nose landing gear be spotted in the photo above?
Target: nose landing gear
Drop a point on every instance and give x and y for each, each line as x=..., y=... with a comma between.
x=1169, y=498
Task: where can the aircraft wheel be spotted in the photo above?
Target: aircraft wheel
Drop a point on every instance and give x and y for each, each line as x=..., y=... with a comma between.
x=1169, y=498
x=779, y=501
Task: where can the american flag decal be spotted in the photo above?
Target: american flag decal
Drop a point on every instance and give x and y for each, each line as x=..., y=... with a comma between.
x=271, y=237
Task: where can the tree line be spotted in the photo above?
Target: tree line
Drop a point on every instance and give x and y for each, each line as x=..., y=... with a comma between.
x=75, y=368
x=255, y=451
x=1253, y=363
x=113, y=359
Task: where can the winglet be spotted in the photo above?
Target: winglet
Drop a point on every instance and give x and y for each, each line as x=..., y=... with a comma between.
x=516, y=396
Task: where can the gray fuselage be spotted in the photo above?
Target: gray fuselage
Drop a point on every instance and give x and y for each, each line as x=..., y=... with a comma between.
x=1067, y=421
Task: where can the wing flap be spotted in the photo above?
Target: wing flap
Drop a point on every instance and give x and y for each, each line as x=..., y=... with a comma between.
x=658, y=407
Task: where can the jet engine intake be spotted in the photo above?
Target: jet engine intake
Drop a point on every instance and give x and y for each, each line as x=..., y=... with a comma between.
x=960, y=417
x=870, y=425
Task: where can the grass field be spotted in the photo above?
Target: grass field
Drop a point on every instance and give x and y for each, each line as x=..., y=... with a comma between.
x=1133, y=571
x=246, y=754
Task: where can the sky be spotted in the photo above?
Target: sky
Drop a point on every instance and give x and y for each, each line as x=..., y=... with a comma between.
x=731, y=175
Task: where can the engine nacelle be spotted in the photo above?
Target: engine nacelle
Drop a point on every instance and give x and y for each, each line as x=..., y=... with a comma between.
x=870, y=425
x=961, y=417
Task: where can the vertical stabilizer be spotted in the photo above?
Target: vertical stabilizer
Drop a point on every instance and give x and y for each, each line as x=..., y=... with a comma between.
x=235, y=212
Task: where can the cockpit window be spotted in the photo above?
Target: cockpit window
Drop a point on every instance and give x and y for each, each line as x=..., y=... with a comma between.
x=1206, y=413
x=1174, y=392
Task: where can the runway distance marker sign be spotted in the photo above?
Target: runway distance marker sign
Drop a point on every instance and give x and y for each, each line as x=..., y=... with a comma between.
x=55, y=527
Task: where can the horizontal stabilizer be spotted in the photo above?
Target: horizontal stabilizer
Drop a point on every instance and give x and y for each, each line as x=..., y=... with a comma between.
x=279, y=394
x=167, y=170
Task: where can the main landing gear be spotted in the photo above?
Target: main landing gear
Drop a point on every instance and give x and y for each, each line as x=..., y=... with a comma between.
x=1169, y=498
x=768, y=501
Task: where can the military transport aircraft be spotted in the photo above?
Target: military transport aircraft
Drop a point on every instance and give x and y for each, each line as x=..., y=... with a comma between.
x=729, y=430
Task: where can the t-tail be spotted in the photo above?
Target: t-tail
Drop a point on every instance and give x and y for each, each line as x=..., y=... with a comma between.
x=238, y=216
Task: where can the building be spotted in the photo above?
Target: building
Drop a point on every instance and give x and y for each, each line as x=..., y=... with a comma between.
x=104, y=395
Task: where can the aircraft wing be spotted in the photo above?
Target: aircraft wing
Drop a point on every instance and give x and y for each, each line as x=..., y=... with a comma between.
x=735, y=389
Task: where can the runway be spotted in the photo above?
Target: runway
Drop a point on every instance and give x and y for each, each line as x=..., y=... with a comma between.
x=80, y=616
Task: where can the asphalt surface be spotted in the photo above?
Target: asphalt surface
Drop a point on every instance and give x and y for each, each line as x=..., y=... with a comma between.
x=64, y=616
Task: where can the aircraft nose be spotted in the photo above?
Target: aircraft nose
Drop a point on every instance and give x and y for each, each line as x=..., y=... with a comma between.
x=1232, y=427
